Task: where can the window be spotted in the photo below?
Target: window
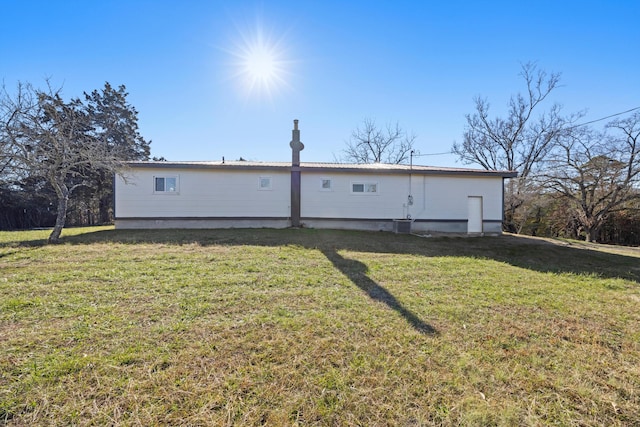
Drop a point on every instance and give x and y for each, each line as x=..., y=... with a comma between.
x=165, y=184
x=364, y=187
x=325, y=184
x=264, y=183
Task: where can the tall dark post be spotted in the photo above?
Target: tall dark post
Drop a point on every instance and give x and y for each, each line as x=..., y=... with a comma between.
x=296, y=147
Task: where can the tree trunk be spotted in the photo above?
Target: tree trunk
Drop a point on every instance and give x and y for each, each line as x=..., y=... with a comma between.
x=591, y=234
x=105, y=202
x=509, y=220
x=63, y=202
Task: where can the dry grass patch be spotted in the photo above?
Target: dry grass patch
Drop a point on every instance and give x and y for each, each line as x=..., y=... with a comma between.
x=308, y=327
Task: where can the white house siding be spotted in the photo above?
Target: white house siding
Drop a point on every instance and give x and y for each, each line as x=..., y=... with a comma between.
x=440, y=203
x=445, y=206
x=223, y=196
x=447, y=196
x=340, y=202
x=205, y=194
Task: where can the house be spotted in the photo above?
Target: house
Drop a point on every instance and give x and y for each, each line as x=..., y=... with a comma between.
x=244, y=194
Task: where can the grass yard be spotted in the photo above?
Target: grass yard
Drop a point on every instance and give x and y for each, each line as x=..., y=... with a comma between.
x=315, y=327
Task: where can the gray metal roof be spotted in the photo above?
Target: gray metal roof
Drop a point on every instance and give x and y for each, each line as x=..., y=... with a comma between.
x=378, y=168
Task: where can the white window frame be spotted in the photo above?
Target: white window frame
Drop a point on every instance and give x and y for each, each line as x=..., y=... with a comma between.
x=264, y=179
x=366, y=187
x=176, y=189
x=322, y=184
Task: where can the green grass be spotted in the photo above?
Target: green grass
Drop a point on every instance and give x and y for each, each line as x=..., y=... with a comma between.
x=311, y=327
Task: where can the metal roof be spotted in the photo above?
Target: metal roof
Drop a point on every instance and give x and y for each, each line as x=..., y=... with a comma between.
x=379, y=168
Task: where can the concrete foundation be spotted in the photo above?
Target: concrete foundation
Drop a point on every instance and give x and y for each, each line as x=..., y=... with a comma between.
x=418, y=226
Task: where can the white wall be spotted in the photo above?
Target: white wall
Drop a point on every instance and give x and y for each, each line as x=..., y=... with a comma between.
x=434, y=197
x=340, y=202
x=440, y=202
x=446, y=197
x=204, y=193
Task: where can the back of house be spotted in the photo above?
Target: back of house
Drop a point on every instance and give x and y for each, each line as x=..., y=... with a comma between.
x=243, y=194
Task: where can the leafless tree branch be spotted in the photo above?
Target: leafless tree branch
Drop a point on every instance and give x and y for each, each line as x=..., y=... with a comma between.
x=370, y=143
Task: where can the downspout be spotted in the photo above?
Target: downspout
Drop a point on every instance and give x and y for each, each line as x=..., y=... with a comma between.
x=410, y=196
x=502, y=226
x=113, y=196
x=296, y=147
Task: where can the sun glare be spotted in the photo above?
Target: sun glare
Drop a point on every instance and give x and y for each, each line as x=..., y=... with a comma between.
x=260, y=65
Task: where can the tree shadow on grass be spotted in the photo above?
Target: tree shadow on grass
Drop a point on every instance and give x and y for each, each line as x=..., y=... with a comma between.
x=36, y=243
x=357, y=273
x=13, y=247
x=533, y=254
x=355, y=270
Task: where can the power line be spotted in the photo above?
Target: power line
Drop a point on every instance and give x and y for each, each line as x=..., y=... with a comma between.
x=604, y=118
x=413, y=154
x=431, y=154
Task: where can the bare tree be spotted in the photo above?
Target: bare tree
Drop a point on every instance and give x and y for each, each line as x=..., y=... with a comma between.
x=44, y=136
x=372, y=144
x=12, y=111
x=596, y=173
x=518, y=142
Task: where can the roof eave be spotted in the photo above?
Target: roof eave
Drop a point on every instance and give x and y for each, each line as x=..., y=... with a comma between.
x=334, y=168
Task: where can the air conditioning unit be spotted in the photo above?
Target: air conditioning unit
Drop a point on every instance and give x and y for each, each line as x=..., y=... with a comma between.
x=402, y=226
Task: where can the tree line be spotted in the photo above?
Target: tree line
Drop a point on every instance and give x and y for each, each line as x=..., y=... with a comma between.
x=574, y=180
x=53, y=149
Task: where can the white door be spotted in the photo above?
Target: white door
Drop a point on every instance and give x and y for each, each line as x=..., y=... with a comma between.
x=474, y=224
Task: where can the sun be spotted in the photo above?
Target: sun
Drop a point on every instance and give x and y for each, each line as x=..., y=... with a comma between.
x=260, y=64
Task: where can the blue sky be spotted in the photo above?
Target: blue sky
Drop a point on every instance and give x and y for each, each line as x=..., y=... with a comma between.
x=418, y=63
